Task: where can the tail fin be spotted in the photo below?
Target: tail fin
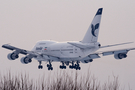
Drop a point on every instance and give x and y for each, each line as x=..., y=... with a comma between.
x=93, y=30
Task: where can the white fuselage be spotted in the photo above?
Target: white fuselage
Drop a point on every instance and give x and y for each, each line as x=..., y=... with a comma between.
x=63, y=50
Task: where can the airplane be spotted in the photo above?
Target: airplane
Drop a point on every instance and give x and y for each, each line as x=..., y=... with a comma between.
x=68, y=52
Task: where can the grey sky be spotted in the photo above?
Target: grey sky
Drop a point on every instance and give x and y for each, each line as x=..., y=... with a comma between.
x=23, y=23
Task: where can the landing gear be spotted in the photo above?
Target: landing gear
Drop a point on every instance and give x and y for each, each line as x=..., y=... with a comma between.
x=76, y=66
x=67, y=63
x=72, y=66
x=49, y=66
x=62, y=66
x=40, y=66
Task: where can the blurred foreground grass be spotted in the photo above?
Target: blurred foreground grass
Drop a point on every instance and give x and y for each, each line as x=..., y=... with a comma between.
x=61, y=81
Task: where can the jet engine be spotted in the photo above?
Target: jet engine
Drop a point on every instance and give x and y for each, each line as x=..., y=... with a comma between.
x=87, y=61
x=26, y=60
x=120, y=56
x=12, y=56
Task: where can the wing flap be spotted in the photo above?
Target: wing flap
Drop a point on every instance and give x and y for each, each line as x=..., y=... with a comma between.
x=114, y=52
x=105, y=53
x=93, y=56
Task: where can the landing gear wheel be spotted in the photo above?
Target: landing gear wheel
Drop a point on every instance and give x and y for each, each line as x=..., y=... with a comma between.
x=71, y=66
x=48, y=65
x=62, y=67
x=78, y=68
x=40, y=67
x=75, y=66
x=50, y=68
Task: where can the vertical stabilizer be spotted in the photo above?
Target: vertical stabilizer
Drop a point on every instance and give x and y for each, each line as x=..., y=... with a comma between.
x=93, y=30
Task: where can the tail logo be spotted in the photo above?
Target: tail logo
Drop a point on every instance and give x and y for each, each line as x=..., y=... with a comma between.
x=94, y=28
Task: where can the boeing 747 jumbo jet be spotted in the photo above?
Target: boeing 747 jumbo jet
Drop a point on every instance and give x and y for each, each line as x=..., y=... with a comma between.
x=68, y=52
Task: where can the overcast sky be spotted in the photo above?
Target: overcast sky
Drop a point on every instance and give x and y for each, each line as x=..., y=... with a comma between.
x=24, y=22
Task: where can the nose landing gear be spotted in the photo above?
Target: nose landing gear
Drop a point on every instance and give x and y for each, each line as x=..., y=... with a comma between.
x=40, y=66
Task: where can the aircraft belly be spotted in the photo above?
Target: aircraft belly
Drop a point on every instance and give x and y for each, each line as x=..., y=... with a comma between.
x=41, y=59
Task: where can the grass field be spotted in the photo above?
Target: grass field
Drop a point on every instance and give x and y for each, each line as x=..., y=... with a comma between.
x=62, y=80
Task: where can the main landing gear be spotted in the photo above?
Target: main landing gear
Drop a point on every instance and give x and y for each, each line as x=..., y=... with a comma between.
x=75, y=66
x=49, y=66
x=40, y=66
x=62, y=66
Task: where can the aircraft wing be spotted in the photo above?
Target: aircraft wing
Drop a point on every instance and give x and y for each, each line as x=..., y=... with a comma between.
x=118, y=54
x=105, y=53
x=18, y=50
x=30, y=54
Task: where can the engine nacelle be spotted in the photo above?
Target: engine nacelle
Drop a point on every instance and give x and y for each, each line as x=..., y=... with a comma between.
x=12, y=56
x=120, y=56
x=87, y=61
x=26, y=60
